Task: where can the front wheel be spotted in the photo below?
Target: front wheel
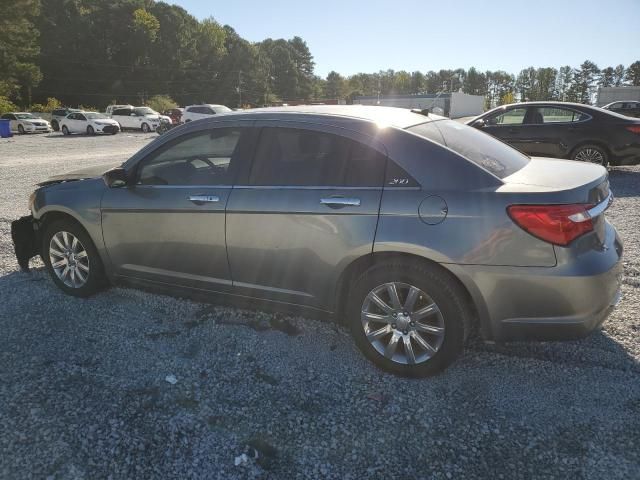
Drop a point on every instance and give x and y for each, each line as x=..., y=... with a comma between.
x=55, y=126
x=90, y=130
x=20, y=129
x=591, y=154
x=145, y=128
x=65, y=130
x=409, y=320
x=71, y=259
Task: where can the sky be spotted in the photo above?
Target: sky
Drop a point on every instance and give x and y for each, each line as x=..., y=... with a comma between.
x=368, y=36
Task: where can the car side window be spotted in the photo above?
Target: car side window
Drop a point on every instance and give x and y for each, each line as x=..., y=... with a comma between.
x=513, y=116
x=299, y=157
x=79, y=116
x=203, y=158
x=208, y=111
x=559, y=115
x=6, y=116
x=71, y=116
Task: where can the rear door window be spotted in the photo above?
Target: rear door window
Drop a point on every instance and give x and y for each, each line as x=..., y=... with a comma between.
x=558, y=115
x=299, y=157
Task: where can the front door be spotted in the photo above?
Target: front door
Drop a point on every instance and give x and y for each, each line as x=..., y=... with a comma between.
x=307, y=207
x=508, y=126
x=169, y=226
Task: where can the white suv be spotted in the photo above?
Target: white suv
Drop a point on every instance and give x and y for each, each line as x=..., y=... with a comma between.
x=196, y=112
x=138, y=118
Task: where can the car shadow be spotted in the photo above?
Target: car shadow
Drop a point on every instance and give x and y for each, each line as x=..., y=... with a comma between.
x=624, y=181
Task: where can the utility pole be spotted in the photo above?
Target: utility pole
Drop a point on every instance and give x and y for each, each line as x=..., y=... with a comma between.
x=239, y=88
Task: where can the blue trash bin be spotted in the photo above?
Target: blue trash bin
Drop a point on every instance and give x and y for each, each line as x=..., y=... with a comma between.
x=5, y=128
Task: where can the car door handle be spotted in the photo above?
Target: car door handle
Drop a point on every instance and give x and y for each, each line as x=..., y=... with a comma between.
x=199, y=199
x=340, y=202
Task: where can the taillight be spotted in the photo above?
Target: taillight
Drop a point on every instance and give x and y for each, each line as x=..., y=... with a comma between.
x=633, y=128
x=557, y=224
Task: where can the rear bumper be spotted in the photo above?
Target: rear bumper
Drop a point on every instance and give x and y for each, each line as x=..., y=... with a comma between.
x=539, y=303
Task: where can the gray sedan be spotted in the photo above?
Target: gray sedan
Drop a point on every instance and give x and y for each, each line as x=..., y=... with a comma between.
x=414, y=230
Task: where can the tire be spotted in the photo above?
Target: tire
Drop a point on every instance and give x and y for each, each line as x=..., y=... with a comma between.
x=65, y=130
x=90, y=130
x=444, y=328
x=20, y=129
x=84, y=274
x=145, y=128
x=55, y=125
x=592, y=154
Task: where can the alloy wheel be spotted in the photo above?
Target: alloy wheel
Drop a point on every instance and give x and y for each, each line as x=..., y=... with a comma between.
x=591, y=155
x=69, y=259
x=402, y=323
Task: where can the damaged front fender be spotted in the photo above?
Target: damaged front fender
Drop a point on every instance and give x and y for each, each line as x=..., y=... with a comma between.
x=26, y=240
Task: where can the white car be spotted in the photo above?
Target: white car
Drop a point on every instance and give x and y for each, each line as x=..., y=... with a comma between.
x=138, y=118
x=23, y=122
x=111, y=108
x=89, y=123
x=196, y=112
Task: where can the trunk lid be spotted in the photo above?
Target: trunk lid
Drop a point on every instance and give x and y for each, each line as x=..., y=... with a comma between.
x=548, y=181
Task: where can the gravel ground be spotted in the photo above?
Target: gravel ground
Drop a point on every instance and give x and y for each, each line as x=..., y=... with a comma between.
x=84, y=390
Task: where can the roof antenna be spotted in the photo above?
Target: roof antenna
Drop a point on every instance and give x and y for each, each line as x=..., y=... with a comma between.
x=421, y=111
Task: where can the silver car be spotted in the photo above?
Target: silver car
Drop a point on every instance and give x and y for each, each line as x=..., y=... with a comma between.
x=413, y=229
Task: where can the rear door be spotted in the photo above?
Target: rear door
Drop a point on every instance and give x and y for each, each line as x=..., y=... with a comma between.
x=169, y=227
x=553, y=131
x=306, y=207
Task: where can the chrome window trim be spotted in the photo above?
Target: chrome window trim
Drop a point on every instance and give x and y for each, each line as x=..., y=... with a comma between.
x=302, y=187
x=228, y=187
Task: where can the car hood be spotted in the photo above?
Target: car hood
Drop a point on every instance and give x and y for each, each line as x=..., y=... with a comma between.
x=83, y=174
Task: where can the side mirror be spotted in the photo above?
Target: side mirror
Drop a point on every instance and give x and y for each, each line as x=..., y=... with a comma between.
x=116, y=178
x=479, y=123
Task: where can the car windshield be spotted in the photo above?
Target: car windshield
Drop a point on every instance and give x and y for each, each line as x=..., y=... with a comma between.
x=94, y=115
x=482, y=149
x=25, y=116
x=144, y=111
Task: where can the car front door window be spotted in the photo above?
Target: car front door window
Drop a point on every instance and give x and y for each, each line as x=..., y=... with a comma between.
x=513, y=116
x=200, y=159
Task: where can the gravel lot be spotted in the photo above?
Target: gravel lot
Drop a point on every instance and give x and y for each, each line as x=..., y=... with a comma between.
x=84, y=390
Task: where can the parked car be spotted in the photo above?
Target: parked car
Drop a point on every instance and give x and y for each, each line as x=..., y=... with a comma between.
x=110, y=109
x=565, y=130
x=175, y=114
x=60, y=114
x=196, y=112
x=23, y=122
x=628, y=108
x=89, y=123
x=138, y=118
x=416, y=230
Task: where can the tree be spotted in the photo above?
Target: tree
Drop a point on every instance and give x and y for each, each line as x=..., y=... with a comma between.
x=618, y=75
x=584, y=82
x=18, y=49
x=633, y=74
x=160, y=103
x=474, y=82
x=335, y=86
x=607, y=77
x=564, y=82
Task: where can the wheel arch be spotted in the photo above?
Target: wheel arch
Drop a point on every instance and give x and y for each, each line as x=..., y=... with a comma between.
x=473, y=296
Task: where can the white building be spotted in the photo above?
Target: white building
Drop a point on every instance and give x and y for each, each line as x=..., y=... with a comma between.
x=607, y=95
x=454, y=105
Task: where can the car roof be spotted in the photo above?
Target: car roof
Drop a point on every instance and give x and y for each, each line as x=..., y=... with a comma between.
x=387, y=116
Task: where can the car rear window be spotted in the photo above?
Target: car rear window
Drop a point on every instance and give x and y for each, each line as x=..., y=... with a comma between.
x=482, y=149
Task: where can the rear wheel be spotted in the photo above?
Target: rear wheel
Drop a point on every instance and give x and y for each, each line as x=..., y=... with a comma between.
x=71, y=259
x=20, y=129
x=409, y=320
x=145, y=128
x=55, y=126
x=591, y=154
x=90, y=130
x=65, y=130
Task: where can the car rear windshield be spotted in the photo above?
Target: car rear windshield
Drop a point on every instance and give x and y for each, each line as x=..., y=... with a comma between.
x=482, y=149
